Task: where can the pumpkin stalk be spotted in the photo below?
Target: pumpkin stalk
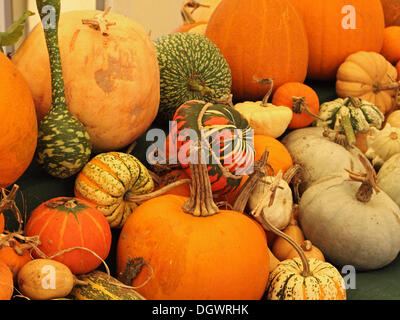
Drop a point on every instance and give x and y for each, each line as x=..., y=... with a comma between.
x=99, y=22
x=269, y=227
x=378, y=86
x=186, y=15
x=368, y=181
x=267, y=82
x=8, y=203
x=196, y=84
x=345, y=122
x=300, y=106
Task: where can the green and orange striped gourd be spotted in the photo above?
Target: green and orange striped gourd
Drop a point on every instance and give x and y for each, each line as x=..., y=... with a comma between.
x=64, y=145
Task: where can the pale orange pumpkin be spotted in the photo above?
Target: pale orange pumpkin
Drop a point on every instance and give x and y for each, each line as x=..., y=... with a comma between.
x=332, y=37
x=111, y=81
x=255, y=47
x=18, y=123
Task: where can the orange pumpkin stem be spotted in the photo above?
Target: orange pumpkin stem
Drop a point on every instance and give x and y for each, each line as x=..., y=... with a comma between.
x=300, y=106
x=368, y=181
x=99, y=22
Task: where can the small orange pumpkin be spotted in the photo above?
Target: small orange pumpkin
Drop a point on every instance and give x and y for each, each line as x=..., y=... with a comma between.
x=6, y=282
x=175, y=175
x=281, y=248
x=391, y=44
x=301, y=99
x=72, y=226
x=309, y=250
x=14, y=257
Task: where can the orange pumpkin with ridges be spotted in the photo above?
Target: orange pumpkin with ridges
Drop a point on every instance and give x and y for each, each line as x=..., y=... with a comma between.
x=247, y=34
x=63, y=224
x=15, y=257
x=338, y=28
x=18, y=123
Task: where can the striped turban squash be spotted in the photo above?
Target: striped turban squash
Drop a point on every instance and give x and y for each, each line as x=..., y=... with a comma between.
x=108, y=180
x=228, y=137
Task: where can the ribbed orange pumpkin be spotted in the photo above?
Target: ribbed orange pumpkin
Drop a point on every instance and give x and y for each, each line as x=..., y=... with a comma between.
x=331, y=35
x=195, y=255
x=6, y=282
x=66, y=223
x=258, y=41
x=17, y=122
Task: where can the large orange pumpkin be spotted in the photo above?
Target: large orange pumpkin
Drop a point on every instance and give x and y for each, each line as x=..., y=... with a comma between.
x=332, y=36
x=196, y=252
x=73, y=227
x=260, y=42
x=111, y=81
x=391, y=8
x=17, y=122
x=6, y=282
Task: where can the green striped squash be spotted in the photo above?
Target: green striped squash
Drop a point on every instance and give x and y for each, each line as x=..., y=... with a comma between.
x=101, y=286
x=64, y=145
x=191, y=68
x=108, y=179
x=286, y=281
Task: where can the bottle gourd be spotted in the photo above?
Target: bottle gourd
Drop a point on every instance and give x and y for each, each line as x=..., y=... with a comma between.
x=64, y=145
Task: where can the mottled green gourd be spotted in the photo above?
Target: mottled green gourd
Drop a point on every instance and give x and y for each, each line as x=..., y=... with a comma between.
x=64, y=145
x=191, y=68
x=350, y=116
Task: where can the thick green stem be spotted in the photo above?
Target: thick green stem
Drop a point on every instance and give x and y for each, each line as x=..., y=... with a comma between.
x=196, y=85
x=346, y=125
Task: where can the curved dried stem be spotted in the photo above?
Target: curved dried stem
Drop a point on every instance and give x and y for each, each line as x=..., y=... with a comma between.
x=99, y=22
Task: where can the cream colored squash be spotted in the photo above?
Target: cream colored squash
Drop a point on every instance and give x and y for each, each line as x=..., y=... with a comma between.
x=265, y=118
x=394, y=119
x=383, y=144
x=389, y=177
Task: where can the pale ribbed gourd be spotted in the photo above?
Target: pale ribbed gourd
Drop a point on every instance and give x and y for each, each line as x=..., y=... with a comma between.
x=64, y=145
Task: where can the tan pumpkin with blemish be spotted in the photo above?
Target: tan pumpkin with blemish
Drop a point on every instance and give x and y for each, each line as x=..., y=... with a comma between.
x=111, y=81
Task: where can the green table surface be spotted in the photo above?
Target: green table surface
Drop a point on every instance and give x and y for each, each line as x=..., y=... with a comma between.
x=37, y=187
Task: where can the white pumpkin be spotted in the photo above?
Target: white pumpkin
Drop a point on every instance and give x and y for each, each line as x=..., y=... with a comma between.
x=277, y=206
x=319, y=156
x=389, y=177
x=350, y=231
x=383, y=144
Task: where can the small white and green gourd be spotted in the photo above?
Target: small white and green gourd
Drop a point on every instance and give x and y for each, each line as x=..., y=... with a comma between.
x=383, y=144
x=351, y=220
x=64, y=145
x=350, y=116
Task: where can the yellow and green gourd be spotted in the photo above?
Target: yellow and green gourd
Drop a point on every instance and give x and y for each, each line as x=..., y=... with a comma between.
x=64, y=145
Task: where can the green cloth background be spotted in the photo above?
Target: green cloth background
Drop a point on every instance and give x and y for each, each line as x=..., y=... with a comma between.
x=38, y=187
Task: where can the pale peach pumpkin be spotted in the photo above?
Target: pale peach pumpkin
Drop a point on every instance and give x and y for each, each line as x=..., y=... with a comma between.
x=111, y=81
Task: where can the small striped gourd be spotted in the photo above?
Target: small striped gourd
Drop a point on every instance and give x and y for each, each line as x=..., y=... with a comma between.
x=64, y=145
x=101, y=286
x=191, y=68
x=108, y=179
x=350, y=116
x=286, y=281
